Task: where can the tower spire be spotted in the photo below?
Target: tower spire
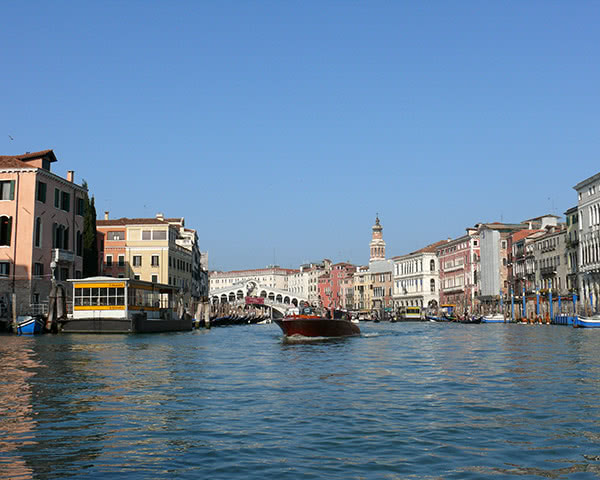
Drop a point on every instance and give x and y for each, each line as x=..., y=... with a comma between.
x=377, y=245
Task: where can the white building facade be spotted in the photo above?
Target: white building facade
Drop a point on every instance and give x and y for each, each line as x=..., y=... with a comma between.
x=416, y=278
x=588, y=208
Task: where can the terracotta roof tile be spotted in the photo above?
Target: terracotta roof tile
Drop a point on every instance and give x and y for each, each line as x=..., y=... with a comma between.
x=521, y=234
x=7, y=161
x=43, y=153
x=130, y=221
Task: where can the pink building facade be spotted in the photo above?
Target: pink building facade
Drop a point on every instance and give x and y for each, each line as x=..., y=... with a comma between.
x=41, y=226
x=333, y=287
x=459, y=271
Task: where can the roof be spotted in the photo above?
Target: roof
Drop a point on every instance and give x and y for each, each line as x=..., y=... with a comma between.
x=32, y=155
x=587, y=181
x=428, y=249
x=20, y=161
x=521, y=234
x=130, y=221
x=12, y=162
x=433, y=247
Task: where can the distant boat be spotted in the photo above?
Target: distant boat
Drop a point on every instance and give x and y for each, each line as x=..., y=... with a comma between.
x=587, y=322
x=493, y=318
x=30, y=325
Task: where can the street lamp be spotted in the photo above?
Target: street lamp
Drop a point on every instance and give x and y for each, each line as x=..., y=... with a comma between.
x=53, y=269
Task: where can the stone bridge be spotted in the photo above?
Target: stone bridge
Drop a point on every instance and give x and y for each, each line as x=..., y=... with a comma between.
x=236, y=295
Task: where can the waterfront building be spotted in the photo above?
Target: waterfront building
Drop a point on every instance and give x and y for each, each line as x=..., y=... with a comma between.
x=494, y=247
x=572, y=219
x=416, y=278
x=550, y=255
x=272, y=276
x=372, y=284
x=306, y=280
x=41, y=228
x=588, y=209
x=521, y=261
x=331, y=294
x=381, y=281
x=149, y=249
x=363, y=289
x=459, y=269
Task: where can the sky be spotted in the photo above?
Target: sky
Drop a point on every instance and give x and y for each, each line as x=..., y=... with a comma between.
x=279, y=130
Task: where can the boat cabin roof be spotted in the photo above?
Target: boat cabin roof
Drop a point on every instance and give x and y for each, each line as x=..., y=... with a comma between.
x=120, y=282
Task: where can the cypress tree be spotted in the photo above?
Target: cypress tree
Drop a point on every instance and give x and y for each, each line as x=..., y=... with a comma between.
x=90, y=238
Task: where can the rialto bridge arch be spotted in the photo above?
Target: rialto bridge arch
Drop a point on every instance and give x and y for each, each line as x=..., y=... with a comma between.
x=251, y=292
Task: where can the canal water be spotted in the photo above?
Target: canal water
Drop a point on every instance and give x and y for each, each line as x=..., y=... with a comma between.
x=402, y=401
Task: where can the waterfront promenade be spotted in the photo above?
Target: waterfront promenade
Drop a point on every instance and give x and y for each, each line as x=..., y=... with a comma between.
x=406, y=400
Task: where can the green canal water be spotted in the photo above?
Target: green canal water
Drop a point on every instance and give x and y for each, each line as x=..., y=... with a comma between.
x=401, y=401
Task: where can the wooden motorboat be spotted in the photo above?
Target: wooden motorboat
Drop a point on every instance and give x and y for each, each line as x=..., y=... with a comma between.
x=308, y=324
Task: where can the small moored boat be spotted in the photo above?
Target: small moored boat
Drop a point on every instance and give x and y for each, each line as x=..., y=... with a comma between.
x=494, y=318
x=587, y=322
x=307, y=324
x=30, y=325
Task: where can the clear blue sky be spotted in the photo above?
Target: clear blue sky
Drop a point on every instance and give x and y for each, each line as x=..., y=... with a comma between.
x=279, y=129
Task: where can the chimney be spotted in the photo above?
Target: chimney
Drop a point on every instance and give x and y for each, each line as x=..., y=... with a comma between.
x=106, y=215
x=160, y=216
x=70, y=176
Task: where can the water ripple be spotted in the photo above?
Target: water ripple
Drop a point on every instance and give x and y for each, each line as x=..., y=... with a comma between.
x=416, y=401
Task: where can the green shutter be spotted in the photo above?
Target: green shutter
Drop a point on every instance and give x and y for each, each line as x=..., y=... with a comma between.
x=12, y=189
x=9, y=229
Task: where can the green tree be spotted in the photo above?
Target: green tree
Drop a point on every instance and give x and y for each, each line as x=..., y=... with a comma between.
x=90, y=237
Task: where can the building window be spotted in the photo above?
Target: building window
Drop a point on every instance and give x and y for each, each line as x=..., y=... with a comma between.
x=79, y=246
x=159, y=235
x=38, y=270
x=155, y=260
x=80, y=207
x=60, y=236
x=109, y=260
x=120, y=235
x=121, y=260
x=154, y=278
x=432, y=285
x=4, y=269
x=5, y=230
x=37, y=234
x=136, y=277
x=146, y=235
x=7, y=190
x=65, y=202
x=432, y=266
x=137, y=260
x=41, y=192
x=56, y=198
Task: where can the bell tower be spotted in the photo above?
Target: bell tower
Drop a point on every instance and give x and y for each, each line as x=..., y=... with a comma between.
x=377, y=244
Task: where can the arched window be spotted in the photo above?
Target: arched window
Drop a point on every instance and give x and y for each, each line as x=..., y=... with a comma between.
x=5, y=230
x=432, y=284
x=38, y=232
x=432, y=265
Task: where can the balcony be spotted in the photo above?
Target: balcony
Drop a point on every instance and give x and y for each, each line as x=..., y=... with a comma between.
x=454, y=268
x=62, y=256
x=456, y=288
x=548, y=271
